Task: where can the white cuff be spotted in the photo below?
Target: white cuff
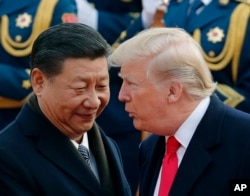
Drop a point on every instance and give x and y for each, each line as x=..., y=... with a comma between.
x=147, y=19
x=87, y=14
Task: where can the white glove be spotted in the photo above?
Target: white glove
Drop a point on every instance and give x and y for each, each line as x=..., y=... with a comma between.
x=149, y=8
x=86, y=13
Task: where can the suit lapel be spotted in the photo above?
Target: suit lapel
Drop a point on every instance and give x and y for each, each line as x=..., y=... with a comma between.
x=197, y=157
x=153, y=151
x=100, y=152
x=58, y=150
x=194, y=163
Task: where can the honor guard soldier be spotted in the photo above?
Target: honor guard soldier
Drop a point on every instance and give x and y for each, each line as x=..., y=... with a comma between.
x=109, y=17
x=21, y=22
x=222, y=27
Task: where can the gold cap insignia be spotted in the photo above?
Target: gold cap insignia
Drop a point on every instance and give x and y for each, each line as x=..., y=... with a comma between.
x=215, y=35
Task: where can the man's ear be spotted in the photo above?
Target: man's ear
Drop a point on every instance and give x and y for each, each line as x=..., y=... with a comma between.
x=38, y=80
x=175, y=91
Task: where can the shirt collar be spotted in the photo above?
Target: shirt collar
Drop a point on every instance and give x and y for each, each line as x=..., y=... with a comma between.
x=84, y=141
x=188, y=127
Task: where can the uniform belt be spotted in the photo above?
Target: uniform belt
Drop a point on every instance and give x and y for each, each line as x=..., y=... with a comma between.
x=6, y=103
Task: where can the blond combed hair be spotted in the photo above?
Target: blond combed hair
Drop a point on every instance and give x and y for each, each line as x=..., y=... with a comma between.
x=169, y=53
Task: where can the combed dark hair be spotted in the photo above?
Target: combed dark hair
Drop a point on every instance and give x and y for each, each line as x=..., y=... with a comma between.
x=63, y=41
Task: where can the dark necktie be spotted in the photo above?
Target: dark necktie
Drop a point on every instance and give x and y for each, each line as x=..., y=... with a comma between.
x=169, y=166
x=85, y=153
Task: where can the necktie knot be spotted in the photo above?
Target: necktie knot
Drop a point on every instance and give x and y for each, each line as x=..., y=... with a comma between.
x=85, y=153
x=172, y=145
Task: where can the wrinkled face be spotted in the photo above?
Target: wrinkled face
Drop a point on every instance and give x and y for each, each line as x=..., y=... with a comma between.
x=73, y=99
x=144, y=103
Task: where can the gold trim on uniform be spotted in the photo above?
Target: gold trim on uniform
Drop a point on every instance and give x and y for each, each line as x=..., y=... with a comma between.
x=11, y=103
x=27, y=71
x=123, y=35
x=231, y=51
x=134, y=15
x=243, y=1
x=18, y=38
x=114, y=46
x=233, y=97
x=224, y=2
x=26, y=84
x=211, y=53
x=41, y=22
x=215, y=35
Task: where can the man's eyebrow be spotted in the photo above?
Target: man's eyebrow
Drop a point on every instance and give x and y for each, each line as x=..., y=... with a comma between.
x=84, y=78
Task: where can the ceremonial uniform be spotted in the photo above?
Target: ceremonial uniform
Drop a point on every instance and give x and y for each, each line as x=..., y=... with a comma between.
x=20, y=23
x=223, y=30
x=115, y=15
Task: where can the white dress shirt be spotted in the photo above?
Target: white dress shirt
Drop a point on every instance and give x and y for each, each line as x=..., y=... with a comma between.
x=185, y=133
x=85, y=143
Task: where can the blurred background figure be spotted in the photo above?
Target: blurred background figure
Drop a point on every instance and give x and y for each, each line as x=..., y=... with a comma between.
x=110, y=18
x=223, y=35
x=21, y=23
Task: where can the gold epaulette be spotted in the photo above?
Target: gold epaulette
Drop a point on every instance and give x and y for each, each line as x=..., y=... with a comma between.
x=233, y=98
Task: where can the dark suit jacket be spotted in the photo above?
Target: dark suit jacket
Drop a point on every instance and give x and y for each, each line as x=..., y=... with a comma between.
x=218, y=152
x=37, y=159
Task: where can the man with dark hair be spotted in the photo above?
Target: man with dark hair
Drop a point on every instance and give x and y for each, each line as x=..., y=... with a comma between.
x=38, y=150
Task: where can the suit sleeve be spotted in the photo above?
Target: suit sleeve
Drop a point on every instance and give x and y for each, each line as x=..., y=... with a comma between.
x=14, y=178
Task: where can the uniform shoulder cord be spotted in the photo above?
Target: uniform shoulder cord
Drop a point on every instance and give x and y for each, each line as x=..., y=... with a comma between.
x=234, y=41
x=42, y=21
